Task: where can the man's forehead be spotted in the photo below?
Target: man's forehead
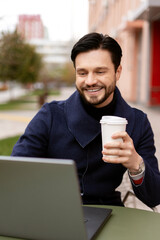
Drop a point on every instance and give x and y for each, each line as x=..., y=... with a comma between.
x=96, y=59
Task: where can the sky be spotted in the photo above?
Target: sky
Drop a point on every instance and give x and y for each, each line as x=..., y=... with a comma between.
x=64, y=19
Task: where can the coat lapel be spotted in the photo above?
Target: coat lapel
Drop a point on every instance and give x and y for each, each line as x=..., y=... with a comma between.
x=80, y=123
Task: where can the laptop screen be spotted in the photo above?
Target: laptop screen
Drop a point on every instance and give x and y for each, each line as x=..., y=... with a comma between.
x=40, y=199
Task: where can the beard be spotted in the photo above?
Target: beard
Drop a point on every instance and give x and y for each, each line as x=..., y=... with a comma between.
x=97, y=100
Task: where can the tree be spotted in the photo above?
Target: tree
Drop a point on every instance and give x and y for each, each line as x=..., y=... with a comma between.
x=18, y=60
x=60, y=74
x=68, y=73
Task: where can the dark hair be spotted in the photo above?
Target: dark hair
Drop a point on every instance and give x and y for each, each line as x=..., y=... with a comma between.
x=93, y=41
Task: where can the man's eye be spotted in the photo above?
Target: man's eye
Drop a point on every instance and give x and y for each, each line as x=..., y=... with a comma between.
x=100, y=72
x=82, y=73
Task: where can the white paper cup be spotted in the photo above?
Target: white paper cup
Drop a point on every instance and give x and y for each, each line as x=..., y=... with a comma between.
x=111, y=125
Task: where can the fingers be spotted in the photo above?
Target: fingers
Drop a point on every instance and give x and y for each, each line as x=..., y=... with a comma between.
x=118, y=151
x=114, y=159
x=116, y=155
x=121, y=151
x=117, y=145
x=123, y=135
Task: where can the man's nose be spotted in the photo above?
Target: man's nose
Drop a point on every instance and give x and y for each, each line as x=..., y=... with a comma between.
x=90, y=79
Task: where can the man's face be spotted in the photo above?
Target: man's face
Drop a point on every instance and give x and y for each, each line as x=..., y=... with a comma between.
x=95, y=77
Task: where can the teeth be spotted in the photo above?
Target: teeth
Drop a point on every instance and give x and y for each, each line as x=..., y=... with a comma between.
x=93, y=90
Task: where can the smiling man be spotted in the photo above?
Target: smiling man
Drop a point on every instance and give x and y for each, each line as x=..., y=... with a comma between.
x=96, y=80
x=70, y=129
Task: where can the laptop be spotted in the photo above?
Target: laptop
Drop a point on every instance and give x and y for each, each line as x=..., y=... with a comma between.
x=40, y=199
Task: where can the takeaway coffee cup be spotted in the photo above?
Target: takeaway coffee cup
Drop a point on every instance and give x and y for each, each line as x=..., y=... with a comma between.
x=111, y=125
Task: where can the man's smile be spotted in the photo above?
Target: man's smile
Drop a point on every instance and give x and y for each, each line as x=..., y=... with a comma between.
x=93, y=90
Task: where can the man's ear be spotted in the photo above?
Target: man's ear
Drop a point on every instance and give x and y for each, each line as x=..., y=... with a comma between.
x=118, y=72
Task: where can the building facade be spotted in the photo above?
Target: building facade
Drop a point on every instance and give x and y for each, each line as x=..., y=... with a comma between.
x=30, y=27
x=135, y=24
x=57, y=52
x=33, y=31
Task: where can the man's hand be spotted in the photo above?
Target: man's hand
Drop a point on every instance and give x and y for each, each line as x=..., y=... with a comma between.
x=124, y=151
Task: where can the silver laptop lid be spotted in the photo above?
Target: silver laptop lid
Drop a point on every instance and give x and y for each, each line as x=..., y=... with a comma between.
x=36, y=202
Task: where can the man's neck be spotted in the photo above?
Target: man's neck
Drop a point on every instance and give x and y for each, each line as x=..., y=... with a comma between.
x=97, y=113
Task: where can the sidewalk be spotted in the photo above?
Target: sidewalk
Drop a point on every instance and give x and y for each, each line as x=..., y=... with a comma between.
x=14, y=123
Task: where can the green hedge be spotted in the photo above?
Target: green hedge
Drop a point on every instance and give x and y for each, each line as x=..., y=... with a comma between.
x=6, y=145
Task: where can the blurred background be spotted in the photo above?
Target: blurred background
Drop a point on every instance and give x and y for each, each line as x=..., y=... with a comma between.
x=36, y=38
x=52, y=29
x=136, y=26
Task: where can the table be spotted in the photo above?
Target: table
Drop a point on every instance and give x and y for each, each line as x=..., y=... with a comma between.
x=128, y=224
x=131, y=224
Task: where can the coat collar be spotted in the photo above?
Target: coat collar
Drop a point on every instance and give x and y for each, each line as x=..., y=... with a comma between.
x=80, y=123
x=84, y=127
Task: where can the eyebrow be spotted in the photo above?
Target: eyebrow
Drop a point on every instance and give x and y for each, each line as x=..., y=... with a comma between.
x=78, y=70
x=100, y=68
x=97, y=68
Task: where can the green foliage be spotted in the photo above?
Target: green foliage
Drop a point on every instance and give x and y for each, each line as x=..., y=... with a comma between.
x=7, y=145
x=18, y=60
x=61, y=73
x=68, y=74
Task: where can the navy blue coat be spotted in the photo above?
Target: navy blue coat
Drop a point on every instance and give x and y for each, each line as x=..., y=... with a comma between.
x=63, y=129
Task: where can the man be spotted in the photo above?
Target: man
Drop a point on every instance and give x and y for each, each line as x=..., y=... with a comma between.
x=71, y=129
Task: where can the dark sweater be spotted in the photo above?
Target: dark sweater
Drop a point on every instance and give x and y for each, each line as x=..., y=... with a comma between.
x=97, y=113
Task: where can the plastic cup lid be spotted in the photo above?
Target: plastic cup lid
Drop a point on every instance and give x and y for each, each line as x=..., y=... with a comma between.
x=113, y=120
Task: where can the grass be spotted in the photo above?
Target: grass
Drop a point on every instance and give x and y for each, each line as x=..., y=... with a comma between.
x=39, y=92
x=27, y=102
x=21, y=103
x=7, y=145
